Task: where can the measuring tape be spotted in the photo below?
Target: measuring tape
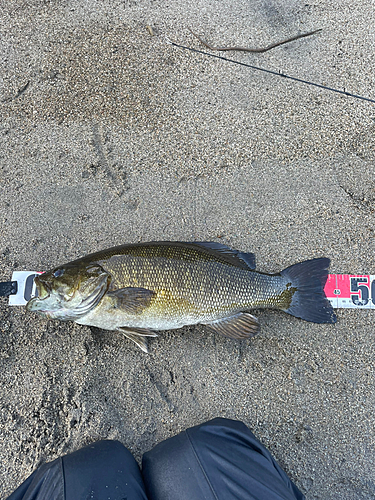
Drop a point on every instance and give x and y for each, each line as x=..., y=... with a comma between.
x=25, y=287
x=356, y=291
x=342, y=290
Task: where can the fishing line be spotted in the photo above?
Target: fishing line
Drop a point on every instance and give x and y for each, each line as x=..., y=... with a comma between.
x=277, y=73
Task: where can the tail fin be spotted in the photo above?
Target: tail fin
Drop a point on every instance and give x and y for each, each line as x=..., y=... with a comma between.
x=309, y=301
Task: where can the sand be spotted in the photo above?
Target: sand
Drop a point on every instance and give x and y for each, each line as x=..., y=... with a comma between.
x=110, y=135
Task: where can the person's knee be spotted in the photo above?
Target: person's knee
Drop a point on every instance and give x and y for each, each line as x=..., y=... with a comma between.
x=107, y=467
x=220, y=426
x=218, y=459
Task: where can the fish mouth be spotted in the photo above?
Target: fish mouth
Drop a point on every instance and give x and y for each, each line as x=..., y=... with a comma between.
x=43, y=293
x=43, y=288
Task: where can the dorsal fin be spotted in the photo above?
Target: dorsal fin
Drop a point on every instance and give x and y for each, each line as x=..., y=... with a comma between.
x=235, y=257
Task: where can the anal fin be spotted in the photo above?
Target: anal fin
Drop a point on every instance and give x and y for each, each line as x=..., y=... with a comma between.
x=138, y=336
x=239, y=326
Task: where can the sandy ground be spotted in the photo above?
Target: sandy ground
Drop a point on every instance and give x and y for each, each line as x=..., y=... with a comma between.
x=109, y=135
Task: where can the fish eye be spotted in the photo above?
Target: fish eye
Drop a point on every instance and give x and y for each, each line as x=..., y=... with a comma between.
x=58, y=273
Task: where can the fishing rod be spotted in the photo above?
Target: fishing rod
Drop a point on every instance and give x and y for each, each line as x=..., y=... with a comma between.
x=264, y=70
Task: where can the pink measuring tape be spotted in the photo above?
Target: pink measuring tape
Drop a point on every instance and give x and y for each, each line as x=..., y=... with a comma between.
x=356, y=291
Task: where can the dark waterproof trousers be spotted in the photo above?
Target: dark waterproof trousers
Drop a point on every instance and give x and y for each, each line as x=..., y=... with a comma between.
x=218, y=460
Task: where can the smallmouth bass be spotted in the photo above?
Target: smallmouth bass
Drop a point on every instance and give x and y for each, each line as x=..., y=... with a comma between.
x=139, y=288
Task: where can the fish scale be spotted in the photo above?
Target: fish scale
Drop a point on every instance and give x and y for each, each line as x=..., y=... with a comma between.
x=201, y=287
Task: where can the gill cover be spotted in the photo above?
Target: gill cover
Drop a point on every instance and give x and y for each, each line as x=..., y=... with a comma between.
x=69, y=292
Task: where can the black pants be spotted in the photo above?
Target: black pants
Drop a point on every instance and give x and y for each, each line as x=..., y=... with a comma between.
x=218, y=460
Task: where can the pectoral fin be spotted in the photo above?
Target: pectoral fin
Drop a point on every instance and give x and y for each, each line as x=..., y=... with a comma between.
x=137, y=335
x=239, y=326
x=130, y=299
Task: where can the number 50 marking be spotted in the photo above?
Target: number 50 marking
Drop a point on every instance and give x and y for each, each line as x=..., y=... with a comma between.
x=361, y=289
